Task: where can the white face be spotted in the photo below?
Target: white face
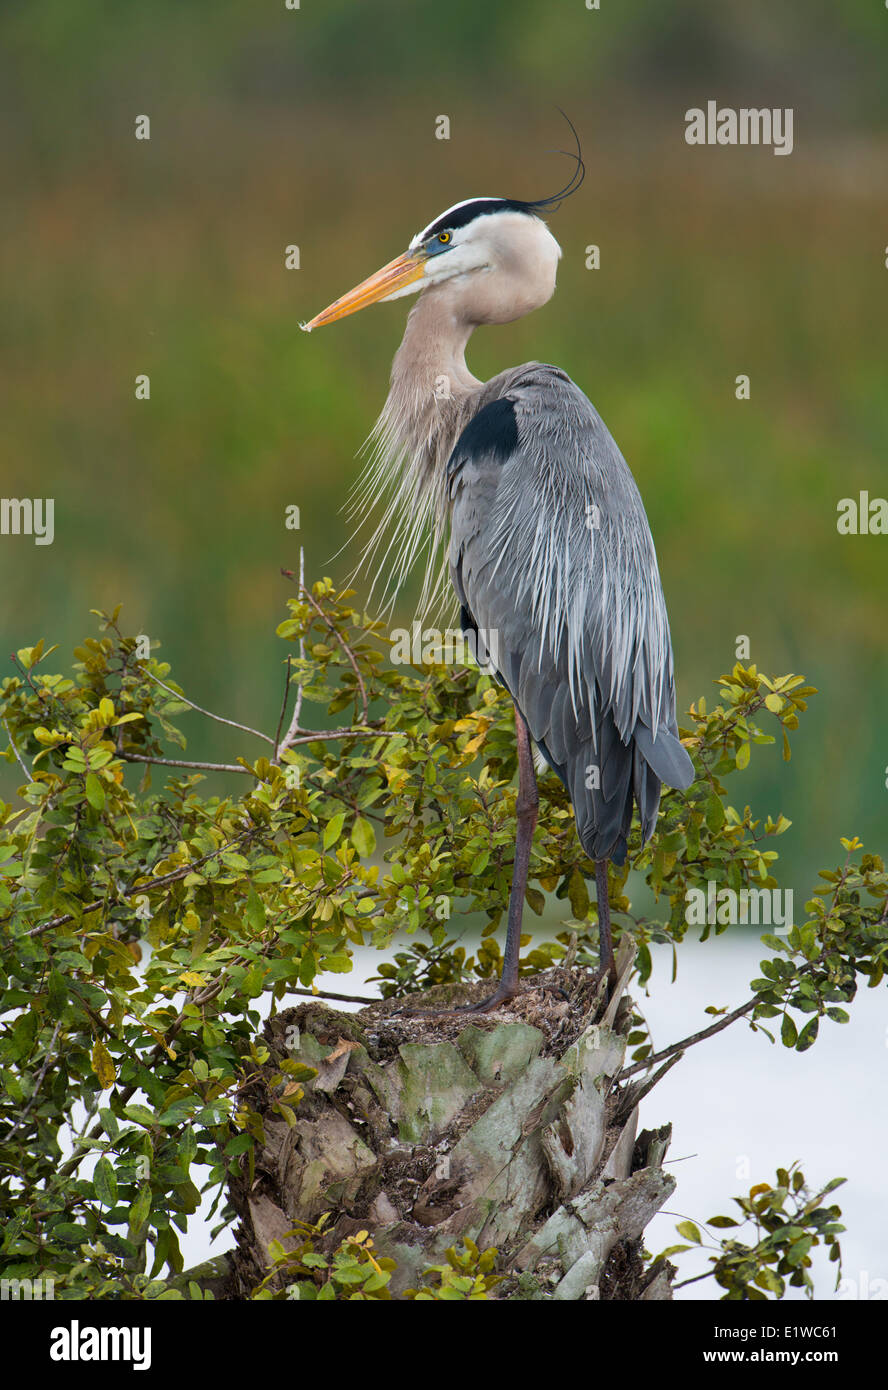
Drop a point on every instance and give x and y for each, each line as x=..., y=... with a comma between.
x=498, y=257
x=490, y=241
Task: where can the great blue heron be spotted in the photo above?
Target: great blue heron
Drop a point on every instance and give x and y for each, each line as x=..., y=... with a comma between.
x=550, y=549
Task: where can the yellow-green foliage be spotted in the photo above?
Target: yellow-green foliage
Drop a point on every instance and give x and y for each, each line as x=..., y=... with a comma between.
x=299, y=1270
x=403, y=804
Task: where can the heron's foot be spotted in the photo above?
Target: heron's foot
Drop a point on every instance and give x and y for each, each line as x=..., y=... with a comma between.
x=501, y=995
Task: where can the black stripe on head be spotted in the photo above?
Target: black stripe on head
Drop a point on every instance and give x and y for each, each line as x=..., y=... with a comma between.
x=477, y=207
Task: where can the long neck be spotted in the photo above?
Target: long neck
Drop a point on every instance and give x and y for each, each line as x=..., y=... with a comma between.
x=430, y=400
x=432, y=389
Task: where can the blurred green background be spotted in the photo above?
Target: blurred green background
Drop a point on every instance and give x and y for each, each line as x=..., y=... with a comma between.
x=316, y=127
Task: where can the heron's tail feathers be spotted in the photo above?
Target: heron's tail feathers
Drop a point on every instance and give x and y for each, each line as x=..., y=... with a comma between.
x=605, y=784
x=665, y=756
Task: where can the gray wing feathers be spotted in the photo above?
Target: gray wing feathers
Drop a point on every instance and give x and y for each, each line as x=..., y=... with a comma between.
x=551, y=554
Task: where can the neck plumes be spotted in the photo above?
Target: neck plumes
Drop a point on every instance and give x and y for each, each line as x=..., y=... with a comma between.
x=430, y=400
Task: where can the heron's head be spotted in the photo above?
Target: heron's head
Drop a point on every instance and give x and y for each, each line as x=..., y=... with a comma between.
x=492, y=259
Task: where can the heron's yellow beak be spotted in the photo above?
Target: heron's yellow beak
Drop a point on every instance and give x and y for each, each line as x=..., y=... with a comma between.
x=386, y=281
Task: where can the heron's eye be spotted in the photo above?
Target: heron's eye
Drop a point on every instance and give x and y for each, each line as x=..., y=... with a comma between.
x=443, y=237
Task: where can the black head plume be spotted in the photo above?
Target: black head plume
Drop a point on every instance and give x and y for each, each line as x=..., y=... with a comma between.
x=552, y=203
x=462, y=214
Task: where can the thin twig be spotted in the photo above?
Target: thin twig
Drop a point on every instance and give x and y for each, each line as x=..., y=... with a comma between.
x=297, y=709
x=332, y=629
x=294, y=729
x=707, y=1274
x=183, y=762
x=18, y=756
x=295, y=733
x=284, y=702
x=39, y=1082
x=219, y=718
x=328, y=994
x=635, y=1094
x=319, y=735
x=694, y=1038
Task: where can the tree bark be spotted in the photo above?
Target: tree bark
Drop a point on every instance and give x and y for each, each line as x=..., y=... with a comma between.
x=510, y=1128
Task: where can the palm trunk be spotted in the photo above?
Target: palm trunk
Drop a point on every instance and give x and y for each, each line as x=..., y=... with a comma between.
x=425, y=1130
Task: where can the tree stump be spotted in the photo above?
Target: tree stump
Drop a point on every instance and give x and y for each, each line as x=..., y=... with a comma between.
x=509, y=1128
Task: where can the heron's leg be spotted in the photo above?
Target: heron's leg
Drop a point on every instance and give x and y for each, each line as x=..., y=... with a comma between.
x=605, y=943
x=526, y=808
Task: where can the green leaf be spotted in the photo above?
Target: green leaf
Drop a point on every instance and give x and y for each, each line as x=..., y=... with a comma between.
x=118, y=1245
x=536, y=900
x=140, y=1115
x=140, y=1209
x=578, y=895
x=767, y=1279
x=232, y=860
x=313, y=1261
x=788, y=1032
x=105, y=1182
x=254, y=910
x=772, y=942
x=239, y=1145
x=69, y=1233
x=714, y=813
x=808, y=1035
x=109, y=1122
x=689, y=1231
x=798, y=1250
x=837, y=1015
x=339, y=963
x=480, y=862
x=95, y=792
x=333, y=830
x=188, y=1146
x=363, y=837
x=743, y=756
